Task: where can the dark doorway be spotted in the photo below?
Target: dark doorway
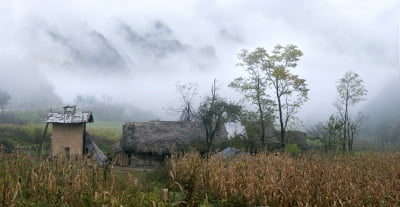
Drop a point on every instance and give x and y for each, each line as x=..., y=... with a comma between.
x=67, y=151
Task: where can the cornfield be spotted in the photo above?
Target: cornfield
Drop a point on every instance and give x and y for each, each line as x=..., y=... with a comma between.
x=75, y=181
x=366, y=179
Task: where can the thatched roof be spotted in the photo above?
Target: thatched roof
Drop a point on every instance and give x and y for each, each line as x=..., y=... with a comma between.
x=161, y=137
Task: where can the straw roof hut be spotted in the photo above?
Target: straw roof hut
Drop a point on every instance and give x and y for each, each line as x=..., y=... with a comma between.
x=163, y=137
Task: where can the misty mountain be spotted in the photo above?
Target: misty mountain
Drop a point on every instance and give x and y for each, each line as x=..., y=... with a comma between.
x=120, y=50
x=95, y=51
x=383, y=113
x=160, y=44
x=81, y=56
x=27, y=88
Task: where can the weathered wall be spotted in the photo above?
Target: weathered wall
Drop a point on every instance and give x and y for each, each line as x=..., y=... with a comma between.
x=67, y=135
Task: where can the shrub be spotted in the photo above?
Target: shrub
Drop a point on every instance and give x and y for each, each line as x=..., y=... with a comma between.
x=292, y=148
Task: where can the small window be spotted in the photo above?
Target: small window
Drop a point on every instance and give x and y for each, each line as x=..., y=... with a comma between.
x=66, y=150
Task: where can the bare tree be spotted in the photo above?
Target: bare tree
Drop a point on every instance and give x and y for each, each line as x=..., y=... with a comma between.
x=353, y=126
x=187, y=92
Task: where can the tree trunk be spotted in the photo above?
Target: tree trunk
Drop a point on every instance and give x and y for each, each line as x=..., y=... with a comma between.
x=207, y=136
x=262, y=127
x=346, y=119
x=348, y=135
x=280, y=117
x=351, y=138
x=261, y=115
x=326, y=144
x=351, y=141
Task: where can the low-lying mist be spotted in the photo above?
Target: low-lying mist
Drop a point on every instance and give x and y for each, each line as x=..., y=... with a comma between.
x=134, y=53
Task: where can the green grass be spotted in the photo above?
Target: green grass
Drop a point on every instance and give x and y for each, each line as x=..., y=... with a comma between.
x=23, y=136
x=105, y=134
x=110, y=130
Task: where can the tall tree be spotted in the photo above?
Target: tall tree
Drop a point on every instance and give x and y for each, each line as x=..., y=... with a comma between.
x=290, y=90
x=272, y=71
x=254, y=86
x=351, y=90
x=213, y=112
x=4, y=98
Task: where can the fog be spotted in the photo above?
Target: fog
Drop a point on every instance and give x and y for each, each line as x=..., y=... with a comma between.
x=135, y=51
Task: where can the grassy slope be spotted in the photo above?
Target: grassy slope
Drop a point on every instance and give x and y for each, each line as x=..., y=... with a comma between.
x=111, y=130
x=105, y=134
x=22, y=136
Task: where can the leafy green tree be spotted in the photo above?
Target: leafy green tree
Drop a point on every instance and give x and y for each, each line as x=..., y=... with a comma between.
x=333, y=133
x=251, y=123
x=213, y=112
x=351, y=90
x=290, y=91
x=272, y=71
x=254, y=87
x=4, y=98
x=329, y=133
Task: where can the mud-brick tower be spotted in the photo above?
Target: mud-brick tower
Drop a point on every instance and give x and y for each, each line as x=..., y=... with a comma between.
x=69, y=131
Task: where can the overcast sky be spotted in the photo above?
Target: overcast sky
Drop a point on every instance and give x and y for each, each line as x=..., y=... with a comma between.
x=135, y=51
